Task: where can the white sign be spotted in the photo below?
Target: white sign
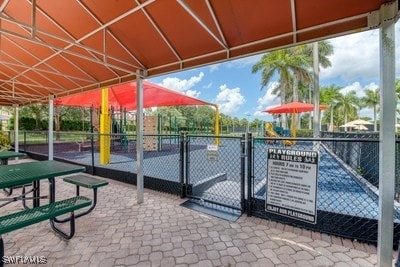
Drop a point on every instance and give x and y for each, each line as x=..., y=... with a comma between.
x=292, y=183
x=211, y=147
x=212, y=152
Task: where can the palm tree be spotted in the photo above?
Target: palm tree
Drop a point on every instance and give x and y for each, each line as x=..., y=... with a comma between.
x=329, y=96
x=285, y=62
x=397, y=87
x=371, y=100
x=347, y=103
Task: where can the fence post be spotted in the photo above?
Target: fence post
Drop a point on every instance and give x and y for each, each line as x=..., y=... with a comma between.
x=242, y=172
x=91, y=139
x=181, y=164
x=187, y=163
x=24, y=141
x=249, y=173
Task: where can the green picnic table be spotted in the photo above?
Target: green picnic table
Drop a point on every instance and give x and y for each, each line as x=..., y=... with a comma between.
x=5, y=155
x=33, y=172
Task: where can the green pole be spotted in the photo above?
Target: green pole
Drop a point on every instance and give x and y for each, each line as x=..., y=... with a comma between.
x=175, y=127
x=159, y=132
x=170, y=130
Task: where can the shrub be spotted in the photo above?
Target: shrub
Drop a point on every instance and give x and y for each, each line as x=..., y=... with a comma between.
x=4, y=142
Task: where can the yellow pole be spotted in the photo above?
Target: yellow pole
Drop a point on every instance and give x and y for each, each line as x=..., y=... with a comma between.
x=216, y=129
x=294, y=124
x=104, y=128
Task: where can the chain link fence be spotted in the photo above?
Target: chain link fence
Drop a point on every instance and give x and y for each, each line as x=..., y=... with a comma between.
x=215, y=171
x=160, y=157
x=230, y=173
x=363, y=155
x=347, y=202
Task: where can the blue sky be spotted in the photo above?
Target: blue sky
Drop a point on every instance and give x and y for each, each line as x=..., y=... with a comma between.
x=231, y=85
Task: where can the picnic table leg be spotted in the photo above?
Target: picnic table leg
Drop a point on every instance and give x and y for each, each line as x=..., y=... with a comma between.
x=7, y=192
x=81, y=213
x=1, y=251
x=36, y=193
x=71, y=219
x=52, y=189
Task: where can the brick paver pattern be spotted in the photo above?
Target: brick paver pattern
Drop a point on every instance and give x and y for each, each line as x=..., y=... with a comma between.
x=159, y=232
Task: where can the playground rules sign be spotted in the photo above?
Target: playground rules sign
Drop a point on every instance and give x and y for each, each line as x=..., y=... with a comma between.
x=292, y=184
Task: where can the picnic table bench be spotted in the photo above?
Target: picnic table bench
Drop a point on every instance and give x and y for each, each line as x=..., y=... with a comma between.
x=33, y=172
x=87, y=182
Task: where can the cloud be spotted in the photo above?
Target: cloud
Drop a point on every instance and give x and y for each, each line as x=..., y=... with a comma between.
x=183, y=86
x=215, y=67
x=192, y=93
x=208, y=85
x=244, y=62
x=268, y=100
x=229, y=100
x=355, y=86
x=356, y=57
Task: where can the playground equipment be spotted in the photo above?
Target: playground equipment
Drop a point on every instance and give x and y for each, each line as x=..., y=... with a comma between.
x=270, y=132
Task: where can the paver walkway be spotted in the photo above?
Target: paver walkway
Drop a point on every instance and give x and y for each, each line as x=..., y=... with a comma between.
x=159, y=232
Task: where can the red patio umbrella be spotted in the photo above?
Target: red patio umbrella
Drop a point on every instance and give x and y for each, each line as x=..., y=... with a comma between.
x=294, y=108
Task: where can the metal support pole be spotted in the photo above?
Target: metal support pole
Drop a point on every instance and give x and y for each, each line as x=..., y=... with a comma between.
x=139, y=137
x=51, y=121
x=16, y=133
x=249, y=173
x=187, y=159
x=243, y=172
x=181, y=164
x=92, y=139
x=316, y=90
x=316, y=120
x=386, y=143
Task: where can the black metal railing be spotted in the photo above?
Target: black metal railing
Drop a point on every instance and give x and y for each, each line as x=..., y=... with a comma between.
x=233, y=174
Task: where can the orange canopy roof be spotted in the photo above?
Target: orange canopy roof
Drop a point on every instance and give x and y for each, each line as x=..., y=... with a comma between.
x=124, y=96
x=68, y=46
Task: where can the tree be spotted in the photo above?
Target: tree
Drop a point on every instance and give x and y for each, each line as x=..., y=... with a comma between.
x=284, y=62
x=329, y=96
x=36, y=111
x=293, y=65
x=347, y=104
x=371, y=100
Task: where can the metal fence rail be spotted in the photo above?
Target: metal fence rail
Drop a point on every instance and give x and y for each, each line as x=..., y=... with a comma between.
x=347, y=202
x=215, y=171
x=363, y=156
x=232, y=175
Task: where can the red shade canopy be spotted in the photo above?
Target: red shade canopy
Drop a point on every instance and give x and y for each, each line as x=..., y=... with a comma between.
x=61, y=47
x=125, y=96
x=293, y=107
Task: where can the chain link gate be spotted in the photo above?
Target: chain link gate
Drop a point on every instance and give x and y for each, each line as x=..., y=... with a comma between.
x=215, y=171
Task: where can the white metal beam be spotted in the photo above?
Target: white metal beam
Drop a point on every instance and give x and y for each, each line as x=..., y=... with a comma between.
x=70, y=42
x=202, y=24
x=16, y=126
x=139, y=138
x=51, y=121
x=294, y=21
x=155, y=26
x=387, y=144
x=216, y=22
x=69, y=77
x=111, y=33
